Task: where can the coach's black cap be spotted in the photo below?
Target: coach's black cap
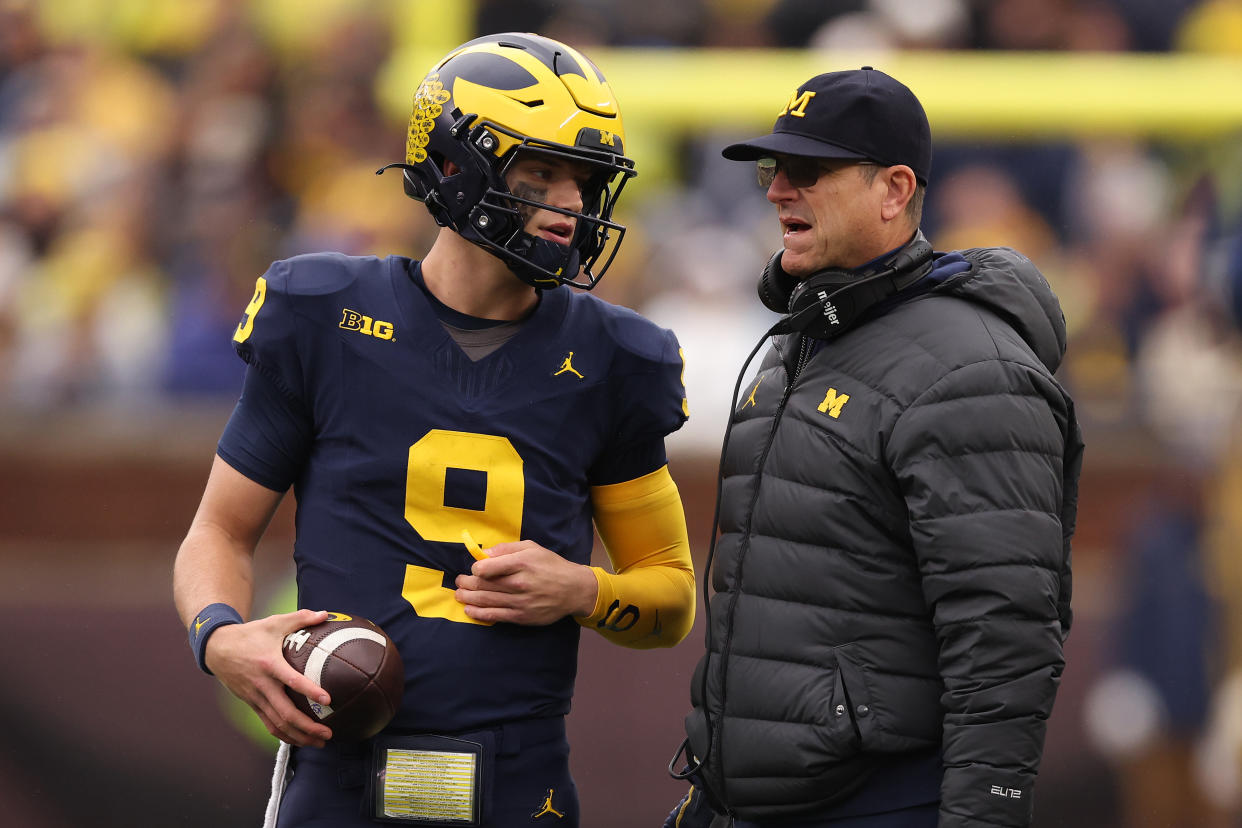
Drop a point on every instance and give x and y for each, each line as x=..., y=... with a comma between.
x=859, y=113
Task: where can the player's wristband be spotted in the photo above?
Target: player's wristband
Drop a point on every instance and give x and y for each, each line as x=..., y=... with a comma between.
x=209, y=619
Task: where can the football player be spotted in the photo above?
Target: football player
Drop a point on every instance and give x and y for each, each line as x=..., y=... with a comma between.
x=452, y=428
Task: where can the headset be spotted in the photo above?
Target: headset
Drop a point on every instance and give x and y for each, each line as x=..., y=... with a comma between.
x=824, y=305
x=829, y=302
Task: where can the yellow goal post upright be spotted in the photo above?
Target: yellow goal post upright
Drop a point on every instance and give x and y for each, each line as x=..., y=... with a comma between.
x=669, y=93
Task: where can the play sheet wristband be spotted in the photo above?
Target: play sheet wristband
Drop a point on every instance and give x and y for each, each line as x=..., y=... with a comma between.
x=427, y=780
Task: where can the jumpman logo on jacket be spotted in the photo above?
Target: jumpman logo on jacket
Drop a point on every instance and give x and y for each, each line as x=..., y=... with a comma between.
x=568, y=365
x=547, y=808
x=751, y=399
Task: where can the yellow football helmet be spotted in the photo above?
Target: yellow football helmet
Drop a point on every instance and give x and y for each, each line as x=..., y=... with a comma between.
x=488, y=100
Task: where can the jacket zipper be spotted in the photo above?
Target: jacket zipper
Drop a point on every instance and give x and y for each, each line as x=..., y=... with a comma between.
x=804, y=353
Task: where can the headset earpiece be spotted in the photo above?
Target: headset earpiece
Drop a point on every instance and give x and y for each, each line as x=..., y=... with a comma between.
x=775, y=285
x=827, y=303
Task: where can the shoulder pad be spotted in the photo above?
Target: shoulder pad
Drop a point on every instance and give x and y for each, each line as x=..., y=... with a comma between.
x=633, y=333
x=315, y=274
x=268, y=336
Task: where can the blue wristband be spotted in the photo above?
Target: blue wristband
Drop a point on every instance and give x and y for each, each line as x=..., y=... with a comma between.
x=209, y=619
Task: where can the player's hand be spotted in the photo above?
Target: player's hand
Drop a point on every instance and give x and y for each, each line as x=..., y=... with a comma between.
x=525, y=583
x=248, y=660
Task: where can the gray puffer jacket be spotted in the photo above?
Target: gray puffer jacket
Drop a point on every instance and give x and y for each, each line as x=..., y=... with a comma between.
x=893, y=569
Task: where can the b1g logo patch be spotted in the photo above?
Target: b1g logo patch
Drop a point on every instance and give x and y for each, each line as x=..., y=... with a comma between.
x=352, y=320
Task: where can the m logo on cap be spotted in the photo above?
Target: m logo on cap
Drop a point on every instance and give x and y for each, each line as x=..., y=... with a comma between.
x=797, y=104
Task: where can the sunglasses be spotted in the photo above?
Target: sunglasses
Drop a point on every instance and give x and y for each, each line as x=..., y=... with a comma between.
x=800, y=171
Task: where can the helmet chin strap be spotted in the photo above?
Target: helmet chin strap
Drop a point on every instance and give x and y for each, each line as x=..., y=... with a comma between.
x=533, y=256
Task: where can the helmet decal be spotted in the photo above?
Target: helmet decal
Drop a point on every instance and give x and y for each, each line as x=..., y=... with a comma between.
x=429, y=103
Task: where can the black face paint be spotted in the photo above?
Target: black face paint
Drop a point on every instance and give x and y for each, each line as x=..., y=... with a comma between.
x=530, y=193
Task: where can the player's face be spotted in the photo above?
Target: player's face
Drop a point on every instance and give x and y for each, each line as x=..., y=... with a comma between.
x=829, y=223
x=557, y=182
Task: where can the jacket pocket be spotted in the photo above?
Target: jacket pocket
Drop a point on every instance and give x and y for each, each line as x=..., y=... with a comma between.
x=832, y=736
x=844, y=736
x=851, y=691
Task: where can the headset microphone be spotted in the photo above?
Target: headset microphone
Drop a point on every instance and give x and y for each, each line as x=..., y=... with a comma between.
x=795, y=322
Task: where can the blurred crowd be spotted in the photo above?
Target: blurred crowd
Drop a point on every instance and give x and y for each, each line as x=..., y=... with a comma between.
x=155, y=157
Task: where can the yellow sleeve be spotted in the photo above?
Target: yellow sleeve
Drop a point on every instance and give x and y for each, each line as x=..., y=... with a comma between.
x=648, y=599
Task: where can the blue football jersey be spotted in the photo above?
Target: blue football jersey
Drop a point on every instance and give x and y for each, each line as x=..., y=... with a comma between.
x=405, y=444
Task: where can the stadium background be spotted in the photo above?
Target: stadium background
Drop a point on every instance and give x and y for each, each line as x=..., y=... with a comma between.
x=155, y=156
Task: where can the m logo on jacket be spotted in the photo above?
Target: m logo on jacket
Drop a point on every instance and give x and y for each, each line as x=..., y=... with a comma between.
x=833, y=403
